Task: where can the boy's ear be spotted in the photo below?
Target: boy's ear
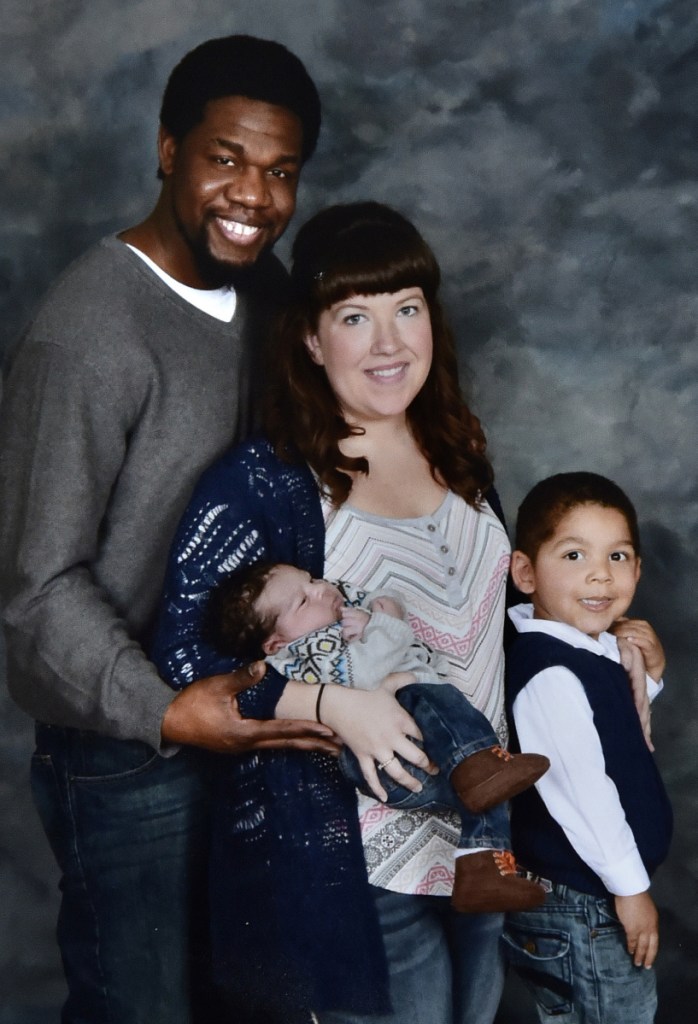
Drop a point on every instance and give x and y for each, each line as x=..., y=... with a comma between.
x=272, y=644
x=523, y=572
x=638, y=569
x=313, y=346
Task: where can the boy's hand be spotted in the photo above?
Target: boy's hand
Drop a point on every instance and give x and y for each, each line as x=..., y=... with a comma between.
x=639, y=918
x=634, y=664
x=354, y=622
x=640, y=633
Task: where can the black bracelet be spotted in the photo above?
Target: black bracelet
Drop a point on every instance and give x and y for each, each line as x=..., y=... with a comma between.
x=317, y=703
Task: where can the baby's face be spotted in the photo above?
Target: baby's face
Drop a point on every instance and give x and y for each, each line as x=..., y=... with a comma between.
x=298, y=603
x=586, y=573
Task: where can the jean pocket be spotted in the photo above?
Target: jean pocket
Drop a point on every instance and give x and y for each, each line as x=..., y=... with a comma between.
x=542, y=959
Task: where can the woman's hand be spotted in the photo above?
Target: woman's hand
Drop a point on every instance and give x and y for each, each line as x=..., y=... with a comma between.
x=377, y=729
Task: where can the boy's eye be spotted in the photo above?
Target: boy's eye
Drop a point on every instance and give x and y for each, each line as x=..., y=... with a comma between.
x=619, y=556
x=573, y=556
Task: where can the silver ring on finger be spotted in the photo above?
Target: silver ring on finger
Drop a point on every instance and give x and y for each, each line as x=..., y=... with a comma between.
x=384, y=764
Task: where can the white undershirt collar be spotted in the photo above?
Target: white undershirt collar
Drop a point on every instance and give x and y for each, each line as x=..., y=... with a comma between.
x=217, y=302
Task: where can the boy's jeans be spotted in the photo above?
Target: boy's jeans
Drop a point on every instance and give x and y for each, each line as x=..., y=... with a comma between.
x=452, y=729
x=571, y=954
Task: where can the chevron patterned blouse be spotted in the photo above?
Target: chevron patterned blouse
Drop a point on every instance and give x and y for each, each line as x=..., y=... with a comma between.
x=450, y=569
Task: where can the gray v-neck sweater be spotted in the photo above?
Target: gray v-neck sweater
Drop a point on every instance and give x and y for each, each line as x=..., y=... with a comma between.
x=116, y=399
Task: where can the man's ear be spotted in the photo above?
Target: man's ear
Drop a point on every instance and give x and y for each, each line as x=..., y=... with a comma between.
x=313, y=346
x=272, y=644
x=167, y=150
x=523, y=572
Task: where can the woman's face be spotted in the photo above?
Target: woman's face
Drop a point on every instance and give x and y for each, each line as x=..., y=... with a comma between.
x=376, y=351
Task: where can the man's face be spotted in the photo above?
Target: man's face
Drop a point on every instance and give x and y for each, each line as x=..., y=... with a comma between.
x=232, y=183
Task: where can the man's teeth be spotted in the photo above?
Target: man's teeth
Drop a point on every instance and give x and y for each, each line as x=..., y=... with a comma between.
x=241, y=230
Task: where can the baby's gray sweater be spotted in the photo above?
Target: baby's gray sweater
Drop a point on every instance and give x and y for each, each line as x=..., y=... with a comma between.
x=116, y=399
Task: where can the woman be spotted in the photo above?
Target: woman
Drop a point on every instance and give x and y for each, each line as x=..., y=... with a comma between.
x=374, y=471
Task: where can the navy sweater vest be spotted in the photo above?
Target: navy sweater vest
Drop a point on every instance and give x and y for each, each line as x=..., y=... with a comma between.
x=540, y=843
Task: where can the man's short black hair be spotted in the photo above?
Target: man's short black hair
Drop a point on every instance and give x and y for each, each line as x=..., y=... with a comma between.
x=240, y=65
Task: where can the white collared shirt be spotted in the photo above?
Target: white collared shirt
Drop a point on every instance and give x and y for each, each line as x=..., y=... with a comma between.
x=553, y=717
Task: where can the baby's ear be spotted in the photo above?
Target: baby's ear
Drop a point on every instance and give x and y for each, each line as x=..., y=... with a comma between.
x=272, y=644
x=523, y=572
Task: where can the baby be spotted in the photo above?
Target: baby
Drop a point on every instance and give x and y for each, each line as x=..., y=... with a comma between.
x=324, y=633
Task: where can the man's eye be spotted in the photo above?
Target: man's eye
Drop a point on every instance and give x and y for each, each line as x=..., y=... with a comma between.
x=225, y=161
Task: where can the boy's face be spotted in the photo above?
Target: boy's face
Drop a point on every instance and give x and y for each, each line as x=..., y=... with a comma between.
x=298, y=604
x=585, y=574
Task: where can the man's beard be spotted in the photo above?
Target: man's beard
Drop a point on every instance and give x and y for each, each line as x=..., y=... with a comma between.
x=217, y=273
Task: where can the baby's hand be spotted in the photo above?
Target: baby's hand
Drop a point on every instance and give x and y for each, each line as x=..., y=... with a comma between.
x=634, y=664
x=639, y=918
x=354, y=622
x=389, y=606
x=640, y=633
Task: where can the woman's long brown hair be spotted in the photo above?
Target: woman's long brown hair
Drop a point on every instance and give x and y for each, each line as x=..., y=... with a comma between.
x=367, y=249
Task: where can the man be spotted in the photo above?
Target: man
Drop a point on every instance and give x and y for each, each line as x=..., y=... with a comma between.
x=135, y=374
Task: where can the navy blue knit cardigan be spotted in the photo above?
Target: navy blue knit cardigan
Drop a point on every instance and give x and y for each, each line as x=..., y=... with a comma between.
x=294, y=926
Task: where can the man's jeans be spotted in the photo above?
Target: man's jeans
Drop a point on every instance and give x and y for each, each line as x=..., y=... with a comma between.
x=571, y=954
x=445, y=967
x=452, y=729
x=129, y=830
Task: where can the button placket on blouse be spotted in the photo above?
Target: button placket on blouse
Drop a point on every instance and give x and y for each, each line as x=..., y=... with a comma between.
x=443, y=550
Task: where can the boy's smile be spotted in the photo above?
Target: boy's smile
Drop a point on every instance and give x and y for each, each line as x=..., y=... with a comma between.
x=585, y=574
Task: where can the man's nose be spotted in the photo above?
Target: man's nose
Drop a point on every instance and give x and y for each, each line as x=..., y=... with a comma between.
x=249, y=187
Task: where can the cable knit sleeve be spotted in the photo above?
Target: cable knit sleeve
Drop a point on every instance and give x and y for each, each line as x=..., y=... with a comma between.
x=247, y=507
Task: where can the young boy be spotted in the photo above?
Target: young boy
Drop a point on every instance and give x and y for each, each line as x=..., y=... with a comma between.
x=324, y=633
x=599, y=823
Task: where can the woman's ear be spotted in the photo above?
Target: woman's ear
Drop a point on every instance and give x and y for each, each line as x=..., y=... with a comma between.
x=313, y=346
x=523, y=572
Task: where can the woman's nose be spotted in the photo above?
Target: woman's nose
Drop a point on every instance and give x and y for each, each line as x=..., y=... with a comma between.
x=386, y=337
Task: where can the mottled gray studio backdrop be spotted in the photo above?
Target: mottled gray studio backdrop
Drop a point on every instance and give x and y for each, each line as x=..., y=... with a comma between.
x=548, y=149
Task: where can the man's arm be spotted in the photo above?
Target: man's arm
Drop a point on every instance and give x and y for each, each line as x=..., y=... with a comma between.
x=64, y=432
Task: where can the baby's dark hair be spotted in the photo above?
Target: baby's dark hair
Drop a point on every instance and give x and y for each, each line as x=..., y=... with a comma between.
x=236, y=623
x=549, y=501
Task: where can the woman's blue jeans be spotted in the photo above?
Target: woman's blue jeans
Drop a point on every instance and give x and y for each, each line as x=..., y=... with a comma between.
x=452, y=729
x=445, y=967
x=129, y=830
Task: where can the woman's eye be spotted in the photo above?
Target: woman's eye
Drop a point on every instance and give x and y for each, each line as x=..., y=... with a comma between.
x=353, y=318
x=408, y=310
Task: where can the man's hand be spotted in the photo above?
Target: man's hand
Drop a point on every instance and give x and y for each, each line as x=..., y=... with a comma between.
x=206, y=714
x=639, y=918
